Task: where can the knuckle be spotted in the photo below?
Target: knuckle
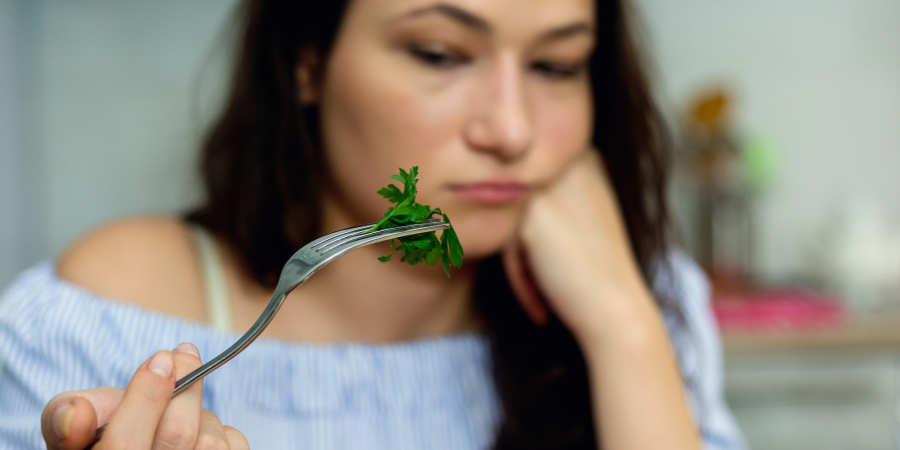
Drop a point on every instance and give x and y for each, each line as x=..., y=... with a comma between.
x=176, y=436
x=233, y=432
x=236, y=437
x=211, y=442
x=207, y=416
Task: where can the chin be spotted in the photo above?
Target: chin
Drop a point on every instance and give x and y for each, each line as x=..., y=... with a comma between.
x=483, y=234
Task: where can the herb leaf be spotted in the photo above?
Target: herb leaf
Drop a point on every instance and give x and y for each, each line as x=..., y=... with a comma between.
x=390, y=192
x=387, y=257
x=418, y=247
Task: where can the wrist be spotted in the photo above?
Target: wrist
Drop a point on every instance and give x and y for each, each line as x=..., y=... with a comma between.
x=630, y=323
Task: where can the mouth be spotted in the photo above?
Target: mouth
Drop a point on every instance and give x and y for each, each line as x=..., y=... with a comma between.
x=492, y=191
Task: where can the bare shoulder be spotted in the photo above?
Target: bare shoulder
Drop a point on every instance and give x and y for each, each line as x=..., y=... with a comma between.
x=149, y=261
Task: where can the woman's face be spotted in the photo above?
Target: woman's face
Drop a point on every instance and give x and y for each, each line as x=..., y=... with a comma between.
x=490, y=98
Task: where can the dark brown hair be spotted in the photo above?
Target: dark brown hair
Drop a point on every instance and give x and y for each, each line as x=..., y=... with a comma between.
x=261, y=163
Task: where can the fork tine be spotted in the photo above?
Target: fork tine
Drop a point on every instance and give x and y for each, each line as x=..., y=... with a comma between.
x=332, y=240
x=362, y=231
x=338, y=234
x=363, y=238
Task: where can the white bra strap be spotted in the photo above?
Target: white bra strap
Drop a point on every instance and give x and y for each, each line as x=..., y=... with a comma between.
x=218, y=306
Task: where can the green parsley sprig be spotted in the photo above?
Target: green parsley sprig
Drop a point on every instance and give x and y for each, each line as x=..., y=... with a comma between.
x=418, y=247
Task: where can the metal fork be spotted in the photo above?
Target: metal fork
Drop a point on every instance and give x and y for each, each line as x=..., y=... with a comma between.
x=302, y=265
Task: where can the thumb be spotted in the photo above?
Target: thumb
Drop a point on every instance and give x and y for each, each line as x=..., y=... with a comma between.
x=522, y=284
x=70, y=419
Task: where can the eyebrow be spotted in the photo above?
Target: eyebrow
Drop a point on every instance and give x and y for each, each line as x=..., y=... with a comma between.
x=458, y=14
x=476, y=23
x=567, y=31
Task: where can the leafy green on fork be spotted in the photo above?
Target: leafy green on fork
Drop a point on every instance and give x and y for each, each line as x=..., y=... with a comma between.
x=418, y=247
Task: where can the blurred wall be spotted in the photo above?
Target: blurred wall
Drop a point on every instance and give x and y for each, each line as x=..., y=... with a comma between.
x=9, y=181
x=99, y=114
x=821, y=76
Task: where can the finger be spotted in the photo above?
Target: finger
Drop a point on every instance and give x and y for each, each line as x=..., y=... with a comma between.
x=212, y=434
x=134, y=423
x=520, y=282
x=236, y=439
x=180, y=424
x=69, y=423
x=70, y=419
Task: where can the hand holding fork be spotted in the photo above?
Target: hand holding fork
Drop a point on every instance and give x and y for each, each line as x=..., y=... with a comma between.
x=138, y=417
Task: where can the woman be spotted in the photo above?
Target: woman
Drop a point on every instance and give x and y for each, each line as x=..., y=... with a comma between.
x=532, y=127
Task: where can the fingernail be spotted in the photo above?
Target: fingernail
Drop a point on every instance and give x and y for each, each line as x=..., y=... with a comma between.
x=187, y=347
x=62, y=420
x=162, y=364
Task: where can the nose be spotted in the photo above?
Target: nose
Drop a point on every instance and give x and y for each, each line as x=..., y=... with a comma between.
x=501, y=123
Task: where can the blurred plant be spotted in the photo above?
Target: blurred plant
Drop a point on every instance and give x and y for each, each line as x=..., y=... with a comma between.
x=727, y=173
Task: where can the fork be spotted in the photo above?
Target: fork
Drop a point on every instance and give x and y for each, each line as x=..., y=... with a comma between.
x=299, y=268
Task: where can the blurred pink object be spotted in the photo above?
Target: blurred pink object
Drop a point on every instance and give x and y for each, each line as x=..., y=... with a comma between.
x=778, y=310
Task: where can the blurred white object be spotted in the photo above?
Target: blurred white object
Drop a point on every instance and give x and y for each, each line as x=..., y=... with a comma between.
x=858, y=256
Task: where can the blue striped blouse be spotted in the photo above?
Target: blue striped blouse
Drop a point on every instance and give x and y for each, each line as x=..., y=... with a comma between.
x=434, y=393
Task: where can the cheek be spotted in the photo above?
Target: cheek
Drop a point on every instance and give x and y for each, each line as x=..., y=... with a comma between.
x=563, y=128
x=373, y=122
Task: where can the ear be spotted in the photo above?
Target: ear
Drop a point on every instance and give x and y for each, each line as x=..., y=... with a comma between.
x=522, y=284
x=307, y=72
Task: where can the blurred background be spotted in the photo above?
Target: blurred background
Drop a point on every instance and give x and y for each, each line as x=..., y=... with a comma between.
x=785, y=115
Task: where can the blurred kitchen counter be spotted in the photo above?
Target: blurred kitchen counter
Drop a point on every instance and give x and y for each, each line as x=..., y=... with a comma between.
x=829, y=388
x=856, y=332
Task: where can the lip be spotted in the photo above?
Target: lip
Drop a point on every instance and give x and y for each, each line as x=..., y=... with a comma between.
x=492, y=191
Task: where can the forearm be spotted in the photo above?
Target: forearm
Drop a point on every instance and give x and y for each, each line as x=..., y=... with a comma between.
x=636, y=388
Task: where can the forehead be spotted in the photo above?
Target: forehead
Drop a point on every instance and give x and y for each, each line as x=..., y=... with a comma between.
x=500, y=15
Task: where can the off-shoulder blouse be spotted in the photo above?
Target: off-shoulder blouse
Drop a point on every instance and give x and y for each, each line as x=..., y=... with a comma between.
x=434, y=393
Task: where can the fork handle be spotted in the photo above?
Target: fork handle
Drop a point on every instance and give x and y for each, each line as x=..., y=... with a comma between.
x=188, y=380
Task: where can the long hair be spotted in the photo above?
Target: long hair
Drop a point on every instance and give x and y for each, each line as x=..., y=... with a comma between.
x=260, y=166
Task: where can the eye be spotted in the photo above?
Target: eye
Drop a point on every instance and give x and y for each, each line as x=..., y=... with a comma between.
x=436, y=55
x=557, y=71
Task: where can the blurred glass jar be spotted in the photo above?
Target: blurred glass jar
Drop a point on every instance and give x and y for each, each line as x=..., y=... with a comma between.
x=857, y=256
